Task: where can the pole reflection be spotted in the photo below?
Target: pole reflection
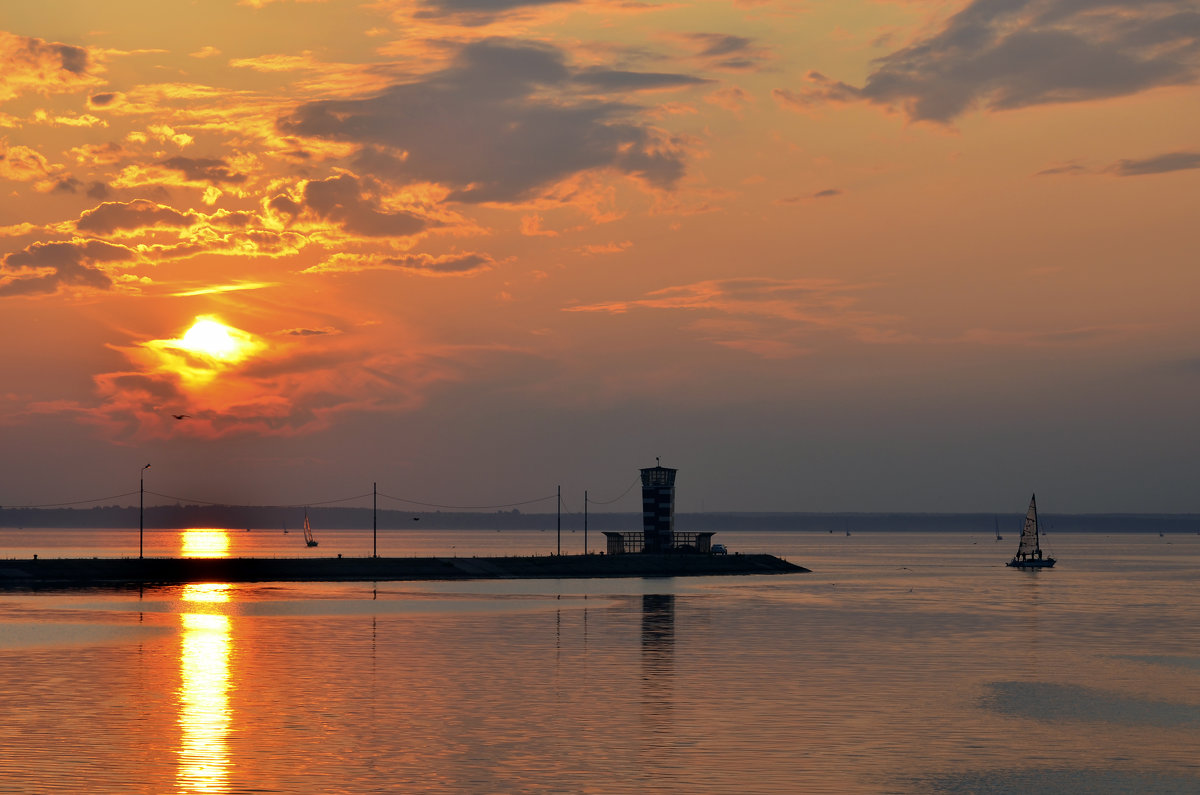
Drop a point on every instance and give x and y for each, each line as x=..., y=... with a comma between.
x=204, y=714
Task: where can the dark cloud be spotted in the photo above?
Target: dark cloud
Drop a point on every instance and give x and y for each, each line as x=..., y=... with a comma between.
x=309, y=332
x=500, y=124
x=110, y=217
x=714, y=44
x=827, y=193
x=486, y=8
x=102, y=100
x=1158, y=164
x=1056, y=171
x=204, y=170
x=160, y=388
x=728, y=52
x=1018, y=53
x=70, y=264
x=97, y=190
x=232, y=219
x=448, y=265
x=73, y=59
x=285, y=205
x=68, y=185
x=1161, y=164
x=340, y=199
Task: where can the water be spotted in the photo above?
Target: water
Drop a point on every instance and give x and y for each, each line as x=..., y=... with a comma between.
x=903, y=663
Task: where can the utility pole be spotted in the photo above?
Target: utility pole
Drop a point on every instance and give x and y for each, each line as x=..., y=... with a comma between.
x=374, y=522
x=560, y=520
x=585, y=546
x=141, y=507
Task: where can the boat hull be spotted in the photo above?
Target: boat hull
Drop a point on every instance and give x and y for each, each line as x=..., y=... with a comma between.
x=1043, y=563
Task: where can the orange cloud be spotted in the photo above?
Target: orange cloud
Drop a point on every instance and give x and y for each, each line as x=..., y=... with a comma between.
x=22, y=164
x=47, y=268
x=605, y=248
x=111, y=217
x=34, y=65
x=461, y=264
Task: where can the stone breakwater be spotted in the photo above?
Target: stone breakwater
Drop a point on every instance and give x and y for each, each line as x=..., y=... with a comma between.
x=148, y=571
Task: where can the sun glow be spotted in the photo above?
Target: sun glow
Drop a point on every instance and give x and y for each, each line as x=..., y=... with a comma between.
x=213, y=339
x=207, y=349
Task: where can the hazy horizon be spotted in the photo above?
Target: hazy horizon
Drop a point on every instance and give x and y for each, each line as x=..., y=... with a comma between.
x=823, y=257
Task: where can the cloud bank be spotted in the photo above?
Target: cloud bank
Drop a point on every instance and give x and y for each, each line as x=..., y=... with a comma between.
x=505, y=122
x=1008, y=54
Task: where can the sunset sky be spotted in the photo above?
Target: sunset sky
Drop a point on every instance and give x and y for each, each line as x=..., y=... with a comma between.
x=820, y=256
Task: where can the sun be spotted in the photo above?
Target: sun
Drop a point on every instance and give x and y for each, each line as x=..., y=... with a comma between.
x=208, y=349
x=210, y=338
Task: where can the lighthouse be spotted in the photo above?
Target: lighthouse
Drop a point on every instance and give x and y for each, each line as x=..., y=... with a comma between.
x=658, y=535
x=658, y=508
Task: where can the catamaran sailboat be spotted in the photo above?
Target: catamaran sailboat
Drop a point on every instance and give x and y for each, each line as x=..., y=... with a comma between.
x=308, y=536
x=1029, y=551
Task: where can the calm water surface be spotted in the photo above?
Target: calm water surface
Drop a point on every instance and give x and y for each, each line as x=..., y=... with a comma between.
x=903, y=663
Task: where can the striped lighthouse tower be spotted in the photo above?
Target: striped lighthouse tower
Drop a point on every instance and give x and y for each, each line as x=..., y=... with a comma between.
x=658, y=508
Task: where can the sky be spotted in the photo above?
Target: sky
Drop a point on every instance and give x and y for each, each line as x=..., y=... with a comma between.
x=855, y=255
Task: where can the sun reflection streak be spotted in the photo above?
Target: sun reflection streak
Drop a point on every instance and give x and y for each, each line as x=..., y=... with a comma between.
x=204, y=714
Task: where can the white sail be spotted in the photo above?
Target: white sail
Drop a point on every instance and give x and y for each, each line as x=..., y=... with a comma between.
x=1029, y=551
x=1029, y=532
x=308, y=536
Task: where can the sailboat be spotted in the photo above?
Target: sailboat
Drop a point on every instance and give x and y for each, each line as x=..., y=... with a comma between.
x=996, y=522
x=1029, y=551
x=308, y=536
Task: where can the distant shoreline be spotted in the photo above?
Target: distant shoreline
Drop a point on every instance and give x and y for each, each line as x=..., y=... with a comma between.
x=169, y=517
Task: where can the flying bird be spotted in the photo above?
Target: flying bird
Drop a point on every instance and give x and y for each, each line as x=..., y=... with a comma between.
x=181, y=416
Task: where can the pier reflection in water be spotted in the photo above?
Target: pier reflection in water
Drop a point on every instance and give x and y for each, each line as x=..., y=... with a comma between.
x=204, y=712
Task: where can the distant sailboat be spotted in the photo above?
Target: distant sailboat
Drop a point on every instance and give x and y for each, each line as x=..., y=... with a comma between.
x=308, y=536
x=996, y=522
x=1029, y=551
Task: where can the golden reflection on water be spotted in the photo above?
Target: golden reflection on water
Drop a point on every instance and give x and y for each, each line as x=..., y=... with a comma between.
x=204, y=543
x=204, y=714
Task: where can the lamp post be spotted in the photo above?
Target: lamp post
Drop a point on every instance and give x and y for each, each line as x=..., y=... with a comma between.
x=141, y=506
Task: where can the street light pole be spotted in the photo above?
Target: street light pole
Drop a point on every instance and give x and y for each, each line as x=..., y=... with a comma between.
x=141, y=507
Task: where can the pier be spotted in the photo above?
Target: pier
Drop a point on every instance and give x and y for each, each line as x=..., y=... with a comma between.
x=175, y=571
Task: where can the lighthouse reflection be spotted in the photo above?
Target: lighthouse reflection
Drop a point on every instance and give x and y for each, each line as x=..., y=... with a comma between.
x=658, y=655
x=204, y=715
